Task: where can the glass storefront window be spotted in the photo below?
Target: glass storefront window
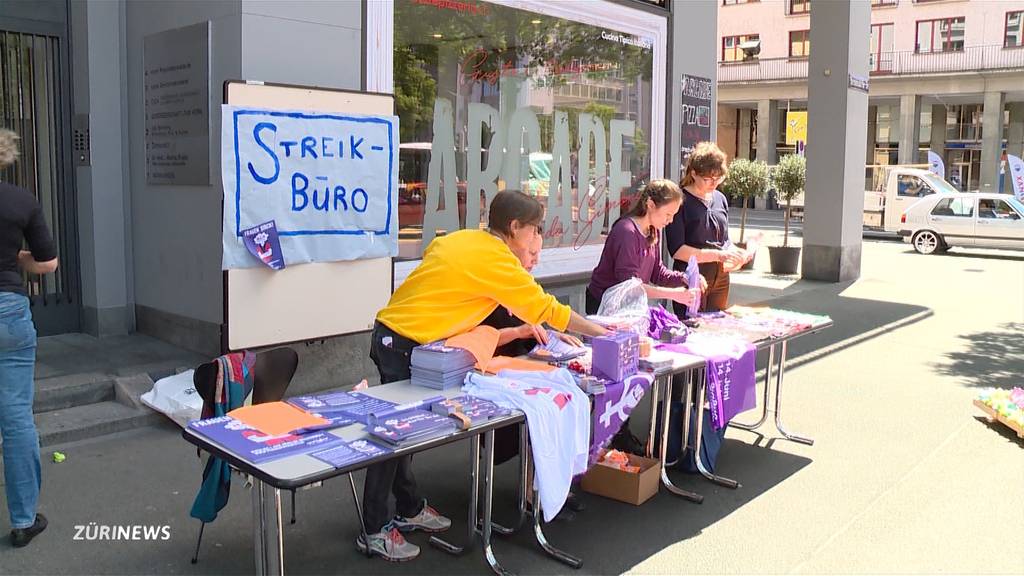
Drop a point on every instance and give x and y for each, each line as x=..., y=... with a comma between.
x=492, y=97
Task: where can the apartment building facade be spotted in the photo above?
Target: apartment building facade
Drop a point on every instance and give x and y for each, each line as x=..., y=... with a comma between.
x=945, y=76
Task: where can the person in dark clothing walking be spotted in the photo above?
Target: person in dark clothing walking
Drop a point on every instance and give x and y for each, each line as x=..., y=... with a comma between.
x=21, y=221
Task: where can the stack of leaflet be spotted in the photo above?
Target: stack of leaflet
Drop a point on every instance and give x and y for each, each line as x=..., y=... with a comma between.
x=256, y=446
x=411, y=427
x=475, y=410
x=440, y=367
x=656, y=360
x=556, y=350
x=592, y=385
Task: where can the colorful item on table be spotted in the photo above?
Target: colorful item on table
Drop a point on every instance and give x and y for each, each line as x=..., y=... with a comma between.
x=558, y=424
x=481, y=341
x=499, y=363
x=731, y=387
x=612, y=408
x=412, y=426
x=323, y=403
x=277, y=418
x=348, y=453
x=618, y=460
x=693, y=282
x=366, y=405
x=615, y=356
x=662, y=320
x=474, y=410
x=556, y=350
x=256, y=446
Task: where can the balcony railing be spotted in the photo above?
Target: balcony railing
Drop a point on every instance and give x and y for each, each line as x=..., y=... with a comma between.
x=970, y=59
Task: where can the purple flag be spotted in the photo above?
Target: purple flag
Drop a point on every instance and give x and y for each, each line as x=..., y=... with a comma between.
x=731, y=387
x=613, y=407
x=263, y=242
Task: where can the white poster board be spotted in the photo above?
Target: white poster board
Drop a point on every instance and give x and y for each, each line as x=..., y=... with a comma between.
x=264, y=307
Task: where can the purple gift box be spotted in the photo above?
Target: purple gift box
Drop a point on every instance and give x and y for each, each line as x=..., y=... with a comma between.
x=615, y=356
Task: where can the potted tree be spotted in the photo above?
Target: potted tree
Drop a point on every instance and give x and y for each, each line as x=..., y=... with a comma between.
x=790, y=177
x=747, y=179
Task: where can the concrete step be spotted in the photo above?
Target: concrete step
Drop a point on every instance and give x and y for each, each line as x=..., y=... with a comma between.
x=72, y=390
x=91, y=420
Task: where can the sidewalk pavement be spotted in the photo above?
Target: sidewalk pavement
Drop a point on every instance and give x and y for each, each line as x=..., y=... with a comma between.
x=905, y=476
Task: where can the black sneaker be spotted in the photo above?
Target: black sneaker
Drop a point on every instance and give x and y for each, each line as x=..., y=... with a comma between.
x=20, y=537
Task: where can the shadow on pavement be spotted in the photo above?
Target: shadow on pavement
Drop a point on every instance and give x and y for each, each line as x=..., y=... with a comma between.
x=993, y=359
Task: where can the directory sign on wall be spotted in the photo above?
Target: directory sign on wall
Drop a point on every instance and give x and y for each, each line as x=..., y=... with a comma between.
x=327, y=180
x=176, y=81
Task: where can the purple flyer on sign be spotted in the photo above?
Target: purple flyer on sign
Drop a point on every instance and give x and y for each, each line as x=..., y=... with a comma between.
x=255, y=446
x=263, y=242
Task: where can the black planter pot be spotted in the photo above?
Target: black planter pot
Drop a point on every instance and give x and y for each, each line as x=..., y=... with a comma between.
x=785, y=259
x=748, y=265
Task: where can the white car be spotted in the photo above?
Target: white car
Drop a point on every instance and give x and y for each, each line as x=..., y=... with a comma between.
x=941, y=221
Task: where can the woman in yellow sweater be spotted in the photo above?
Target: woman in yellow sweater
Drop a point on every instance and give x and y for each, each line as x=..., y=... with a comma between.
x=463, y=277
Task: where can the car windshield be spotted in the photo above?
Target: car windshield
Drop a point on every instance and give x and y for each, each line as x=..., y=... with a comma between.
x=1017, y=205
x=939, y=185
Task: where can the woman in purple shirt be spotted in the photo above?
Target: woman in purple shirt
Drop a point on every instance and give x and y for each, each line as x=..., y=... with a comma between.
x=633, y=249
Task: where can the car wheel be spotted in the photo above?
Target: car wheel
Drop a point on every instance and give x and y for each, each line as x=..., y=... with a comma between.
x=927, y=242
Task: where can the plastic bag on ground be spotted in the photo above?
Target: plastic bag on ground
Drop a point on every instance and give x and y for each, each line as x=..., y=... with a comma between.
x=176, y=397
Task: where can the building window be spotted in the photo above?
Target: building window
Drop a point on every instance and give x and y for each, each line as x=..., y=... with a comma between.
x=798, y=6
x=880, y=55
x=799, y=43
x=478, y=68
x=1014, y=36
x=735, y=2
x=881, y=3
x=740, y=48
x=940, y=35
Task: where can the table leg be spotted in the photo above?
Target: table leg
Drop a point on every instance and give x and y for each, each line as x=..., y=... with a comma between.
x=474, y=498
x=701, y=393
x=666, y=413
x=259, y=531
x=359, y=512
x=778, y=403
x=538, y=532
x=524, y=445
x=488, y=477
x=767, y=389
x=268, y=536
x=276, y=556
x=649, y=448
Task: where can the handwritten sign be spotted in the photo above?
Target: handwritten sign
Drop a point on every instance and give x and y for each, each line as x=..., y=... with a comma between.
x=696, y=115
x=328, y=181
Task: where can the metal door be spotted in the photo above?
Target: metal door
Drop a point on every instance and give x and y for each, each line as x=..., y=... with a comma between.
x=35, y=103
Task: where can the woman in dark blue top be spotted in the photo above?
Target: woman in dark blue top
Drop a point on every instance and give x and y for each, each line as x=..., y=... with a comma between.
x=701, y=227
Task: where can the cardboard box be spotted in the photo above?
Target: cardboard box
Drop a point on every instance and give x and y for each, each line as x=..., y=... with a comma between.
x=631, y=488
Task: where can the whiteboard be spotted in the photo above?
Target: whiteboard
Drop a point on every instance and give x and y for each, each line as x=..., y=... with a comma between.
x=264, y=307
